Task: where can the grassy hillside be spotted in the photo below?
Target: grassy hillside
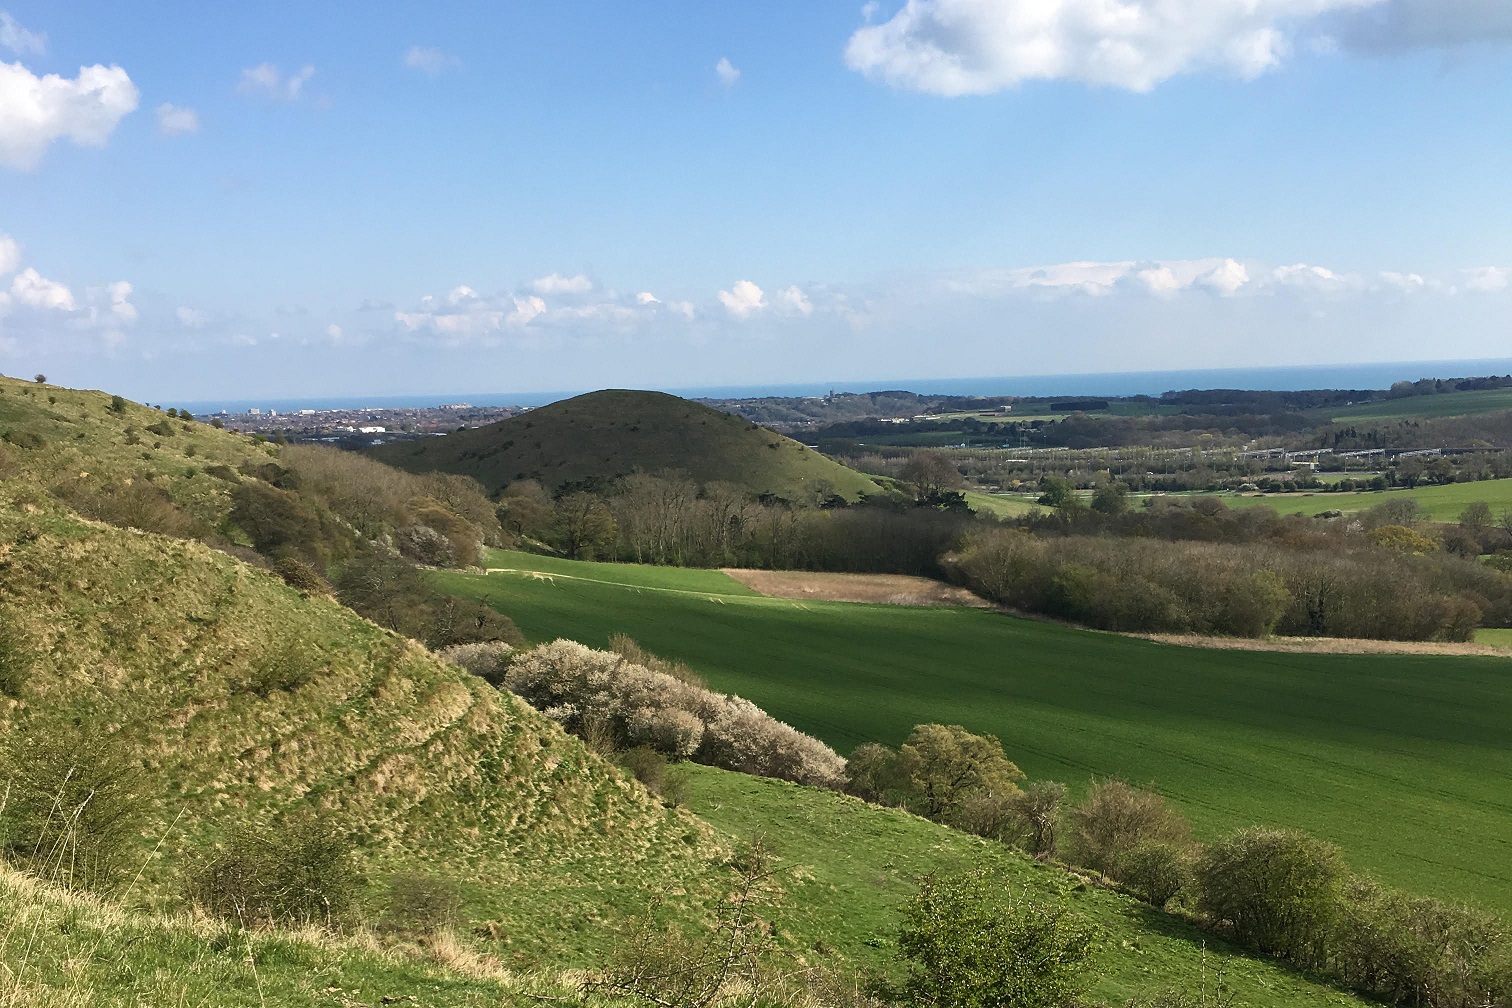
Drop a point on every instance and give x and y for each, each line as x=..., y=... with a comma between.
x=612, y=433
x=852, y=866
x=1427, y=406
x=74, y=443
x=1335, y=744
x=244, y=701
x=63, y=949
x=1439, y=503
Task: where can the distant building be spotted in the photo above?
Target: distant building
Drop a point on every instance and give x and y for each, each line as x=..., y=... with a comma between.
x=254, y=411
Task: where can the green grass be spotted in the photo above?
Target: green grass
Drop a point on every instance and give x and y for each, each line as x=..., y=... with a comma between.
x=1500, y=638
x=1427, y=407
x=852, y=865
x=1405, y=761
x=1439, y=503
x=65, y=950
x=999, y=505
x=615, y=432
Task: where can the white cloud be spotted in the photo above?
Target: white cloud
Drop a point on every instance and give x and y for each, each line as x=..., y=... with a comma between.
x=36, y=111
x=1225, y=278
x=269, y=81
x=1159, y=279
x=795, y=300
x=647, y=298
x=959, y=47
x=33, y=290
x=18, y=40
x=429, y=60
x=175, y=120
x=726, y=72
x=1488, y=279
x=121, y=308
x=334, y=332
x=558, y=284
x=743, y=299
x=191, y=318
x=10, y=255
x=1316, y=278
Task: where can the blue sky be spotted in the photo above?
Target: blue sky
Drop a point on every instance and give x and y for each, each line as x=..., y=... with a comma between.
x=204, y=201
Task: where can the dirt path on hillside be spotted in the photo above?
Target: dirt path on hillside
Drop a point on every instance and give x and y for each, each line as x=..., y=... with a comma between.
x=1327, y=645
x=887, y=589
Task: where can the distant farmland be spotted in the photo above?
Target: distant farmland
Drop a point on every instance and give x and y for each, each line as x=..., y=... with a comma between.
x=1405, y=761
x=1427, y=406
x=1439, y=503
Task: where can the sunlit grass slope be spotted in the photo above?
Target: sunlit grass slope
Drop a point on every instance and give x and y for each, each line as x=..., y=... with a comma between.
x=1403, y=760
x=607, y=434
x=70, y=950
x=851, y=865
x=243, y=699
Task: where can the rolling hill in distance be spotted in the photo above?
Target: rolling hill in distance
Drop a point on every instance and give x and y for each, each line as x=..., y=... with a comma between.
x=607, y=434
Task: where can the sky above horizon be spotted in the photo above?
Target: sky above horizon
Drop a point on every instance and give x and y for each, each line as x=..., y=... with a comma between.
x=202, y=201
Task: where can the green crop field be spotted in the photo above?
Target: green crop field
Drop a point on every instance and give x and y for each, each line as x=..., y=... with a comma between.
x=1428, y=406
x=1405, y=761
x=1439, y=503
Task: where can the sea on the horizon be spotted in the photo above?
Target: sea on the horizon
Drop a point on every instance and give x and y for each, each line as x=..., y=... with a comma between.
x=1114, y=383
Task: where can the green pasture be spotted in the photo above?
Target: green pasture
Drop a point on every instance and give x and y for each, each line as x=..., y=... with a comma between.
x=1439, y=503
x=1000, y=505
x=1426, y=407
x=850, y=866
x=1498, y=638
x=1405, y=761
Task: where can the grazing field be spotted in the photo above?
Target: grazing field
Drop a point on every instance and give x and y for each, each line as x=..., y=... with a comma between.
x=1428, y=406
x=1405, y=761
x=1000, y=505
x=852, y=866
x=1439, y=503
x=1498, y=638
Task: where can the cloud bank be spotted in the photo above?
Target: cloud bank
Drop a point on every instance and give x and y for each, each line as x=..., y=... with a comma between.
x=967, y=47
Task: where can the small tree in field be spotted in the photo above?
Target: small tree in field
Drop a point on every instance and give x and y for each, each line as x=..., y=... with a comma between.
x=968, y=944
x=946, y=764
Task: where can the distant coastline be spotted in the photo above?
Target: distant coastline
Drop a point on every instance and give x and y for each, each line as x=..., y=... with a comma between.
x=1113, y=383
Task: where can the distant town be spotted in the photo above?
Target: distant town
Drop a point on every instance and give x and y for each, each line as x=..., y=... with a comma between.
x=360, y=427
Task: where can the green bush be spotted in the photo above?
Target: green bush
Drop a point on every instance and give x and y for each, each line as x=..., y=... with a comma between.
x=301, y=872
x=421, y=905
x=1278, y=890
x=1115, y=818
x=73, y=813
x=15, y=662
x=966, y=944
x=1418, y=950
x=29, y=440
x=1157, y=871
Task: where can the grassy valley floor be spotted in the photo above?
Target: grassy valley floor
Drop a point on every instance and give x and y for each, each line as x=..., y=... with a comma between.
x=1403, y=760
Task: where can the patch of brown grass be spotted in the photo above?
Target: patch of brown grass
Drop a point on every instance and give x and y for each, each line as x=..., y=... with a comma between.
x=1326, y=645
x=881, y=589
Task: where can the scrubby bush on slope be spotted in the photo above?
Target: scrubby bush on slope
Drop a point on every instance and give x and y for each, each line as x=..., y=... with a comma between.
x=577, y=686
